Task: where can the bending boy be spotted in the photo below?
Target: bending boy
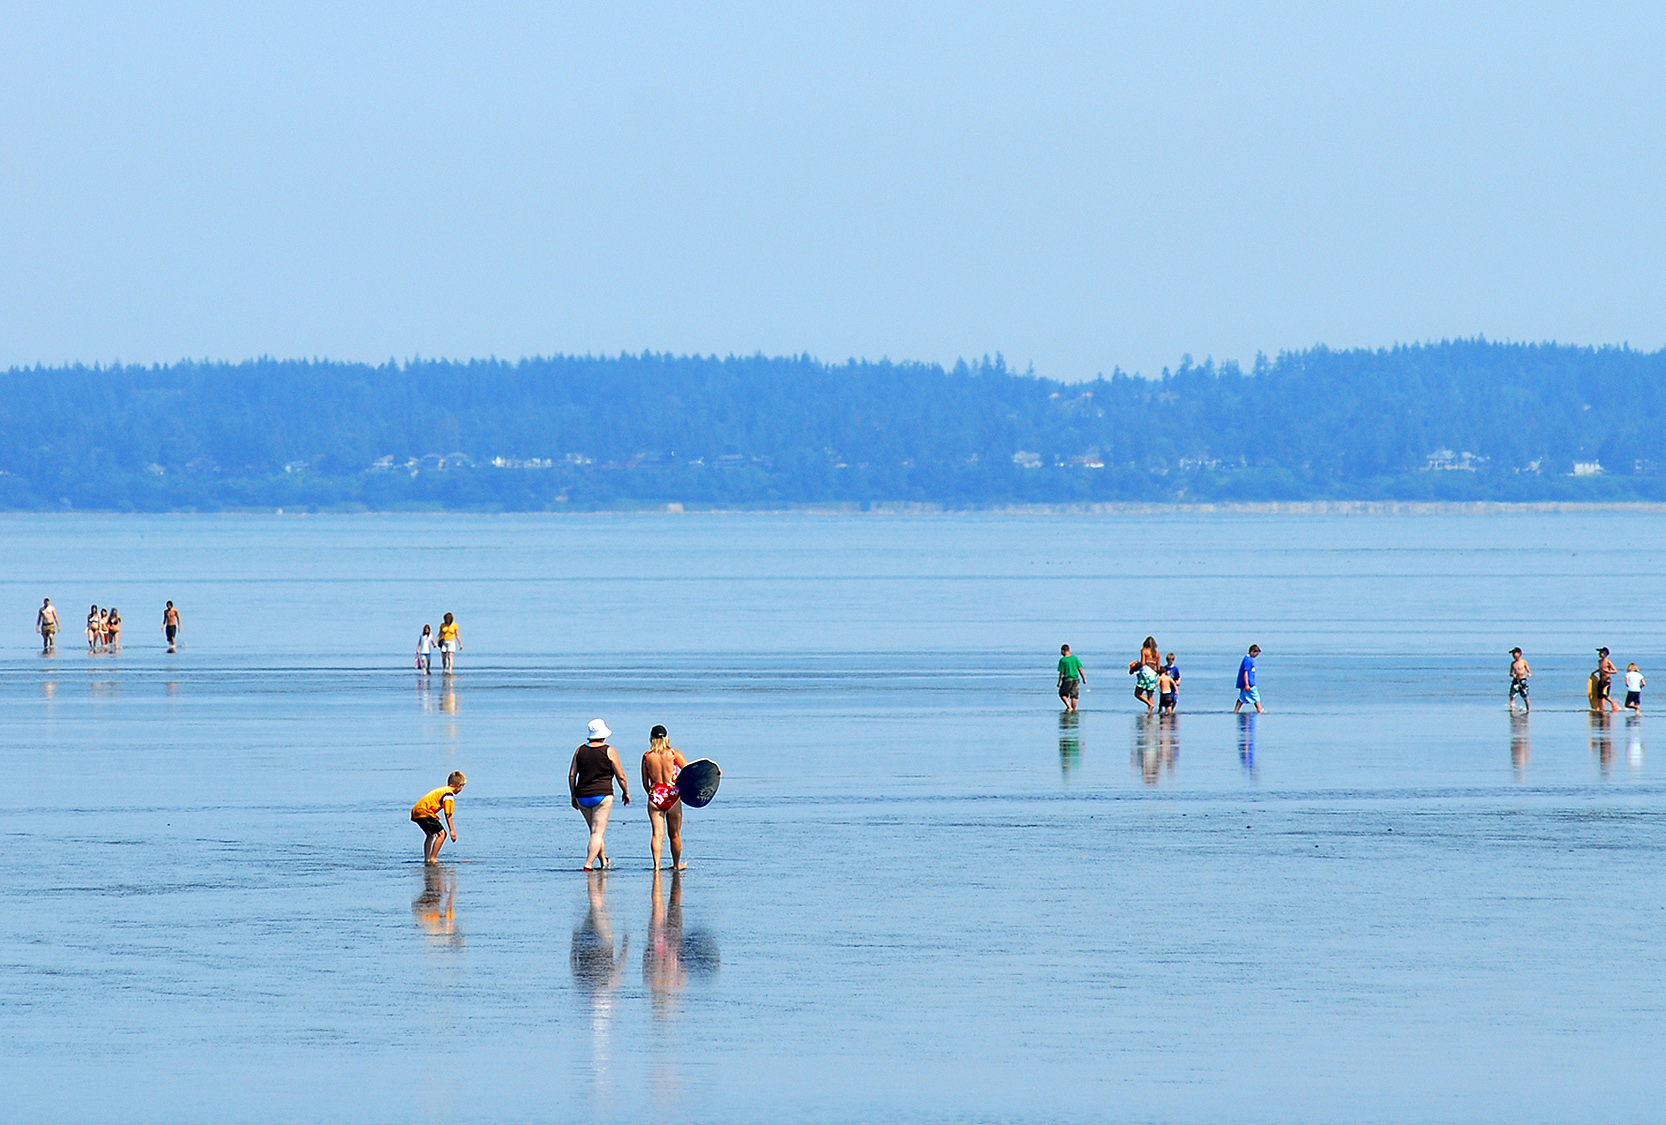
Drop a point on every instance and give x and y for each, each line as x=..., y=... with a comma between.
x=426, y=814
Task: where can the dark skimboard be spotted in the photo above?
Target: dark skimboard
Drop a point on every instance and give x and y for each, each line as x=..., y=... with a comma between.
x=697, y=783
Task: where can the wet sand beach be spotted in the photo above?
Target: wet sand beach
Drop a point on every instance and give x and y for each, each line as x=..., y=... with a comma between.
x=922, y=893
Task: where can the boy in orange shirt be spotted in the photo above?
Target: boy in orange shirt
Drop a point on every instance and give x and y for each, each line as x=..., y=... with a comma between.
x=426, y=814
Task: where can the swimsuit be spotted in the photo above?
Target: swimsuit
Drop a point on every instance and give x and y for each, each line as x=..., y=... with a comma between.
x=592, y=802
x=662, y=796
x=1518, y=686
x=1146, y=678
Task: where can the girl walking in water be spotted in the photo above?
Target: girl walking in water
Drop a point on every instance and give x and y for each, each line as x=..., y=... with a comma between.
x=590, y=781
x=1144, y=671
x=425, y=650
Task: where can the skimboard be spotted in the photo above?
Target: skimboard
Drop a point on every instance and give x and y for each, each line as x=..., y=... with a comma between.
x=697, y=783
x=1593, y=690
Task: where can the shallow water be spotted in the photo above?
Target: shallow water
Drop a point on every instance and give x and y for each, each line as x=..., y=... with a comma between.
x=922, y=893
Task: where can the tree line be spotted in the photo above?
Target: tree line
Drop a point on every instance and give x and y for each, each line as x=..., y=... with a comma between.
x=1457, y=420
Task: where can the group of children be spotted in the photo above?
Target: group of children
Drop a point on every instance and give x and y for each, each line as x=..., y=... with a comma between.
x=1599, y=688
x=590, y=777
x=1156, y=679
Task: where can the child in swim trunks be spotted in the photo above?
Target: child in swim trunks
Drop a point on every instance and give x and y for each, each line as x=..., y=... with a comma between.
x=1165, y=692
x=426, y=815
x=1634, y=689
x=1520, y=673
x=660, y=766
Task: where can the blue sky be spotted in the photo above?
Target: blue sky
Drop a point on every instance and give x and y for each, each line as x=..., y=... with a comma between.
x=1075, y=186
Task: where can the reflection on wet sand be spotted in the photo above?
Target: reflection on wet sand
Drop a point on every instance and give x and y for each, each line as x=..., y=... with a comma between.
x=435, y=909
x=446, y=704
x=49, y=689
x=1246, y=742
x=1602, y=741
x=598, y=969
x=662, y=957
x=1070, y=743
x=1156, y=745
x=672, y=955
x=1634, y=742
x=1521, y=744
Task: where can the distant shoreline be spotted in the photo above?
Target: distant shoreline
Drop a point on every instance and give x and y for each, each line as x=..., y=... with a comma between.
x=908, y=508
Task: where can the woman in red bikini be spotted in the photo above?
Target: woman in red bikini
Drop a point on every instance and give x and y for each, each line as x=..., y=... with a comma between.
x=660, y=766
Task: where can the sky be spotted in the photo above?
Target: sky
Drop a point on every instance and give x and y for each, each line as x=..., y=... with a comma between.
x=1077, y=187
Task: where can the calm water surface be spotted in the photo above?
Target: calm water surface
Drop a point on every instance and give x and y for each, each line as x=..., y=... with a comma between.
x=922, y=893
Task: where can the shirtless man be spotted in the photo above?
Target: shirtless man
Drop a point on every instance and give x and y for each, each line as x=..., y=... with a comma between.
x=1605, y=677
x=1520, y=673
x=665, y=809
x=46, y=624
x=170, y=625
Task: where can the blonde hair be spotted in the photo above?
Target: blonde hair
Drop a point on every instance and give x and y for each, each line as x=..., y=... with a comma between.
x=456, y=780
x=1631, y=667
x=658, y=743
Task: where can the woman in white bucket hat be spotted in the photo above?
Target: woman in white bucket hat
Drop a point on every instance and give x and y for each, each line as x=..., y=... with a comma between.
x=590, y=781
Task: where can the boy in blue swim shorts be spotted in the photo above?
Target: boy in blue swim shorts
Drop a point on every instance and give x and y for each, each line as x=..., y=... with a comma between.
x=1247, y=692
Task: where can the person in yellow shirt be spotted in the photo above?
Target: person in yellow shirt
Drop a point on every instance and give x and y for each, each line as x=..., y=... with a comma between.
x=426, y=814
x=449, y=644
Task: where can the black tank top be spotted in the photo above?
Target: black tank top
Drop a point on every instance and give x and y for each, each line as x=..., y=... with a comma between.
x=595, y=772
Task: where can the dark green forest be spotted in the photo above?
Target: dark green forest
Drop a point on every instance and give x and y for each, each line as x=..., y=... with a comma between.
x=1459, y=420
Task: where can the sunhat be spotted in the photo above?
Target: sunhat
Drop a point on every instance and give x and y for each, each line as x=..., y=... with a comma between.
x=598, y=729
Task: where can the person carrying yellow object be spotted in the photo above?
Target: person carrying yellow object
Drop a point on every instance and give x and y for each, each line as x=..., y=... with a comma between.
x=426, y=815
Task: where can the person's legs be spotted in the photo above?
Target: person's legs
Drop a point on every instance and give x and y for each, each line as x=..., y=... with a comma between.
x=596, y=818
x=656, y=826
x=674, y=827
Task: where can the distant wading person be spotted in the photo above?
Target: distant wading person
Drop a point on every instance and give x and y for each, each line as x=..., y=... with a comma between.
x=1247, y=692
x=1634, y=689
x=112, y=630
x=46, y=624
x=1605, y=682
x=1144, y=671
x=1520, y=673
x=590, y=781
x=660, y=766
x=170, y=626
x=95, y=630
x=449, y=644
x=1071, y=678
x=425, y=650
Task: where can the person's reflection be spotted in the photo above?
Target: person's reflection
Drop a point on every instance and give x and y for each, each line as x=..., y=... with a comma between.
x=1153, y=747
x=1521, y=744
x=598, y=968
x=49, y=689
x=448, y=696
x=1634, y=742
x=171, y=688
x=425, y=698
x=1168, y=740
x=435, y=909
x=1246, y=743
x=1070, y=743
x=662, y=957
x=1602, y=742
